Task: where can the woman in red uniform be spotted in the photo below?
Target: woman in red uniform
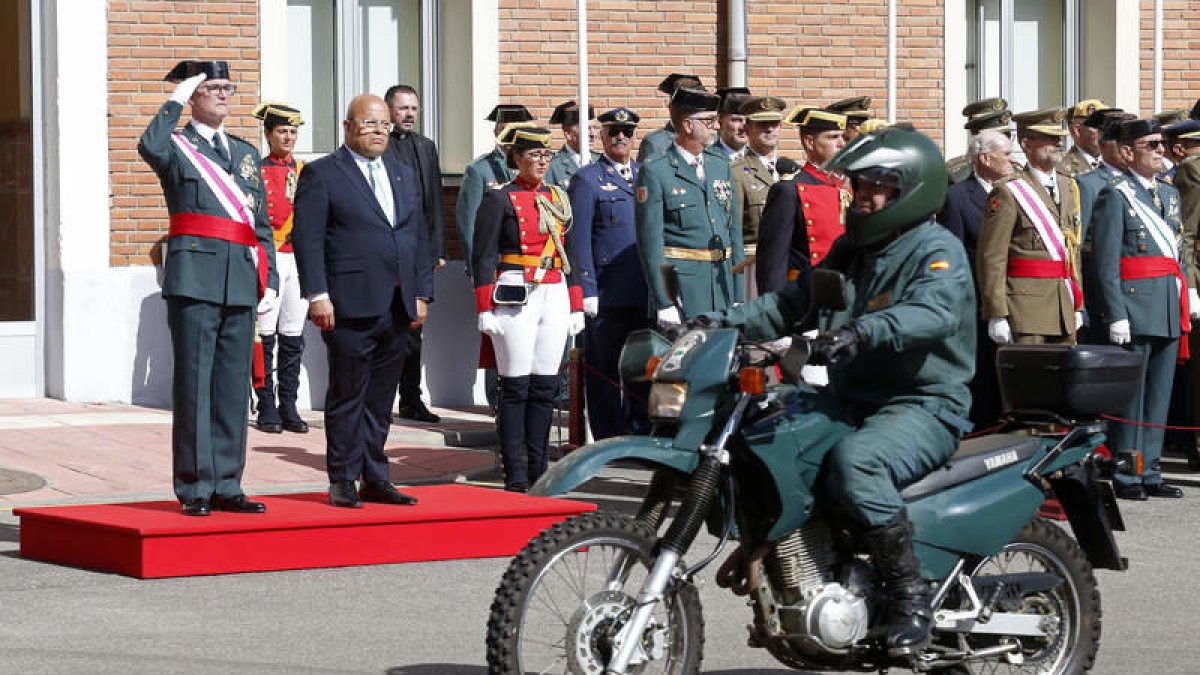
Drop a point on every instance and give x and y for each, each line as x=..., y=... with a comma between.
x=528, y=299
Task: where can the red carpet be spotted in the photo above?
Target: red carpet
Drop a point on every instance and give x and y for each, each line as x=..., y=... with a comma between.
x=151, y=539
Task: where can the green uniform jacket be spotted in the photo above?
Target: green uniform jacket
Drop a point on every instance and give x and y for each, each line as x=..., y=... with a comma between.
x=675, y=208
x=1033, y=306
x=915, y=303
x=655, y=143
x=488, y=171
x=1187, y=182
x=563, y=167
x=1074, y=163
x=753, y=182
x=203, y=268
x=1090, y=186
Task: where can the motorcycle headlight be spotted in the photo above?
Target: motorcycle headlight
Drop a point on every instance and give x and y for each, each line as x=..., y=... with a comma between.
x=667, y=398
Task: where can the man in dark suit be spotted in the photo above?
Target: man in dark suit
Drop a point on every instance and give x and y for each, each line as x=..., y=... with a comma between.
x=363, y=252
x=421, y=155
x=220, y=264
x=990, y=153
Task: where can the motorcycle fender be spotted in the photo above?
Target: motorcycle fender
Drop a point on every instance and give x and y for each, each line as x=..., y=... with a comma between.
x=1091, y=509
x=585, y=463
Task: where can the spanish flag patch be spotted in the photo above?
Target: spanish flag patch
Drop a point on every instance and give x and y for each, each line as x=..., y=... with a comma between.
x=939, y=265
x=642, y=194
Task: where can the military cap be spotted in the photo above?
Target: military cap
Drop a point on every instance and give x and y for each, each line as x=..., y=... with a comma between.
x=984, y=106
x=1097, y=117
x=1186, y=129
x=731, y=104
x=763, y=109
x=677, y=80
x=997, y=119
x=688, y=99
x=505, y=137
x=529, y=138
x=1171, y=116
x=857, y=109
x=215, y=70
x=276, y=114
x=1131, y=130
x=506, y=113
x=872, y=125
x=619, y=117
x=1112, y=125
x=816, y=119
x=1048, y=121
x=1085, y=107
x=568, y=113
x=726, y=91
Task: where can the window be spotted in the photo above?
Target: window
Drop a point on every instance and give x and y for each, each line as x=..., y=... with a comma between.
x=1024, y=51
x=342, y=48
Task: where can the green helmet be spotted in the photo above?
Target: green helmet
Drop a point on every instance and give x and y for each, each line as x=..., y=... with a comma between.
x=906, y=160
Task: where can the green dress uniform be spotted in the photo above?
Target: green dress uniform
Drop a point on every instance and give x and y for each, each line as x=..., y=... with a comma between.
x=211, y=289
x=1090, y=185
x=1122, y=239
x=487, y=172
x=1187, y=182
x=692, y=224
x=563, y=168
x=656, y=143
x=914, y=302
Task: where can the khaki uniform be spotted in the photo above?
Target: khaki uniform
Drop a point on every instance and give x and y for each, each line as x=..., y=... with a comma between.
x=1075, y=163
x=1038, y=309
x=753, y=180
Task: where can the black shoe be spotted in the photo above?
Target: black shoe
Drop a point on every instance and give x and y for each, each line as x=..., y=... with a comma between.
x=1162, y=490
x=383, y=492
x=238, y=504
x=196, y=507
x=296, y=426
x=517, y=487
x=1131, y=491
x=908, y=613
x=343, y=493
x=269, y=427
x=418, y=412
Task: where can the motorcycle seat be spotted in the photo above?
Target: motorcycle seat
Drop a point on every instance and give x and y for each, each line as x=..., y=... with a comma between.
x=975, y=458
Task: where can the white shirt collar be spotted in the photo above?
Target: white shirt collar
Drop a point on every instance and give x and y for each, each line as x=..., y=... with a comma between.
x=1147, y=183
x=987, y=187
x=617, y=165
x=1091, y=159
x=1043, y=178
x=360, y=159
x=687, y=156
x=206, y=132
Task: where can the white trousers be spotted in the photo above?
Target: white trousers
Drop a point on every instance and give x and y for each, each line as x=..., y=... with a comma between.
x=288, y=316
x=535, y=333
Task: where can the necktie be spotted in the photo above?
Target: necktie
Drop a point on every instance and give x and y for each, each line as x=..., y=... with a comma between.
x=699, y=167
x=219, y=145
x=771, y=168
x=377, y=187
x=1053, y=192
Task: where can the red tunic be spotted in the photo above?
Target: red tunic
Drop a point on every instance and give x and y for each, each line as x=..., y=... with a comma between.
x=279, y=179
x=823, y=201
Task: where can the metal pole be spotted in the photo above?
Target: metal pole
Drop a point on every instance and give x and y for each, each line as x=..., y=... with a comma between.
x=1158, y=55
x=585, y=149
x=891, y=60
x=737, y=43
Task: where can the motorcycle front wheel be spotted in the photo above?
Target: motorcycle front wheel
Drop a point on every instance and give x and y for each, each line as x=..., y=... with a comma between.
x=567, y=594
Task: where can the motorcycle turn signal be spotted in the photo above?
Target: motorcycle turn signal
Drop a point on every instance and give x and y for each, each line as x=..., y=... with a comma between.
x=752, y=380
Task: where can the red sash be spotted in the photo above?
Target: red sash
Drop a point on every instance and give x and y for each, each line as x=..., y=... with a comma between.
x=1161, y=266
x=1034, y=268
x=216, y=227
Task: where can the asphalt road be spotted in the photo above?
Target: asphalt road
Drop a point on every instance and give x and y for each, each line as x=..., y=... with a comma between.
x=429, y=618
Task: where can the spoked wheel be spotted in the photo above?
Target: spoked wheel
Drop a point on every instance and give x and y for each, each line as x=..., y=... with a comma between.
x=1071, y=611
x=568, y=593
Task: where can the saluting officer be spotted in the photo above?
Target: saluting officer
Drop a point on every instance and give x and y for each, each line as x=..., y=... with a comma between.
x=486, y=172
x=1144, y=292
x=603, y=247
x=755, y=172
x=805, y=214
x=1027, y=257
x=660, y=139
x=220, y=265
x=1084, y=155
x=686, y=215
x=566, y=161
x=857, y=110
x=987, y=113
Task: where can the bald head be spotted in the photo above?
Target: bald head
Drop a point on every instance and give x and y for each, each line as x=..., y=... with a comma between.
x=367, y=125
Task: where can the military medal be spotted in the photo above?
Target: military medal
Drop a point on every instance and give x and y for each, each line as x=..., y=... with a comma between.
x=293, y=178
x=248, y=169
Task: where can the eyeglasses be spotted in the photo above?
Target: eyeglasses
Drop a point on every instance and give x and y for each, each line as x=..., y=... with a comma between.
x=627, y=132
x=706, y=121
x=539, y=155
x=1151, y=145
x=374, y=125
x=227, y=89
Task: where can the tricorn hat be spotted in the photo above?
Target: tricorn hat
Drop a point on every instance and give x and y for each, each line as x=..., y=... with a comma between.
x=529, y=138
x=677, y=80
x=688, y=99
x=277, y=114
x=568, y=113
x=1131, y=130
x=1096, y=118
x=215, y=70
x=506, y=113
x=816, y=119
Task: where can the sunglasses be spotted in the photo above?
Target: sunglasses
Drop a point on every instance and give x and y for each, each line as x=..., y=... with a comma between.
x=627, y=132
x=1152, y=145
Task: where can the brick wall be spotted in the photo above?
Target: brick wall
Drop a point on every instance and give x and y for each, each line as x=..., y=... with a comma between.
x=1181, y=80
x=144, y=40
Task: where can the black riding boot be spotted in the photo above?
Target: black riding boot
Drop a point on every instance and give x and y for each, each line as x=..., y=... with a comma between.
x=539, y=415
x=514, y=396
x=908, y=612
x=268, y=414
x=291, y=352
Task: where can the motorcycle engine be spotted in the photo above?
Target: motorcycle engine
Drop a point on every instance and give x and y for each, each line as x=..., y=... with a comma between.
x=818, y=610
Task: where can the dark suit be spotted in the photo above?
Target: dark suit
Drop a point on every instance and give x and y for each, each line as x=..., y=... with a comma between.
x=374, y=272
x=421, y=155
x=603, y=248
x=211, y=289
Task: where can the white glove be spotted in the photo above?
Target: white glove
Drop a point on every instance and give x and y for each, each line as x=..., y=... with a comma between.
x=779, y=346
x=184, y=90
x=490, y=325
x=1118, y=332
x=591, y=306
x=1078, y=320
x=270, y=300
x=668, y=316
x=575, y=323
x=1194, y=303
x=999, y=330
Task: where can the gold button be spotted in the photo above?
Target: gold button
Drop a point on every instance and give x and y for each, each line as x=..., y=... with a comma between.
x=809, y=221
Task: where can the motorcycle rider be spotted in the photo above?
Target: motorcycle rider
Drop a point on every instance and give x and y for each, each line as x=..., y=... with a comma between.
x=901, y=356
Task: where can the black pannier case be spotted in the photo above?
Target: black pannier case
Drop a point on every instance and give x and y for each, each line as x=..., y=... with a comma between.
x=1073, y=381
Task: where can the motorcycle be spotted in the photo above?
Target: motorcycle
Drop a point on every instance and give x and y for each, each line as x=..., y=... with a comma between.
x=605, y=593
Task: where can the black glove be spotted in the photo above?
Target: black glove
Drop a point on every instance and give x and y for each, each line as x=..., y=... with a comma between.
x=707, y=321
x=829, y=348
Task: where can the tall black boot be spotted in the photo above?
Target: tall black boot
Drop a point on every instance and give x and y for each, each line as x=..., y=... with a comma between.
x=908, y=612
x=514, y=395
x=539, y=415
x=291, y=352
x=268, y=413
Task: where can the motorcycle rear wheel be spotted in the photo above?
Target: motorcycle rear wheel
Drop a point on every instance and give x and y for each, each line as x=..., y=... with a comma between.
x=555, y=610
x=1074, y=605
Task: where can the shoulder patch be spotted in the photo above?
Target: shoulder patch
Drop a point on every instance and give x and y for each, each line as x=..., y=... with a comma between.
x=642, y=194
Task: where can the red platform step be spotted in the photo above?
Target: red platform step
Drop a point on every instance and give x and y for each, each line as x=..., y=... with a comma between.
x=151, y=540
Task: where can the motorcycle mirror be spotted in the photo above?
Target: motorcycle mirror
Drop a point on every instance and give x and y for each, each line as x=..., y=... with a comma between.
x=829, y=290
x=670, y=277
